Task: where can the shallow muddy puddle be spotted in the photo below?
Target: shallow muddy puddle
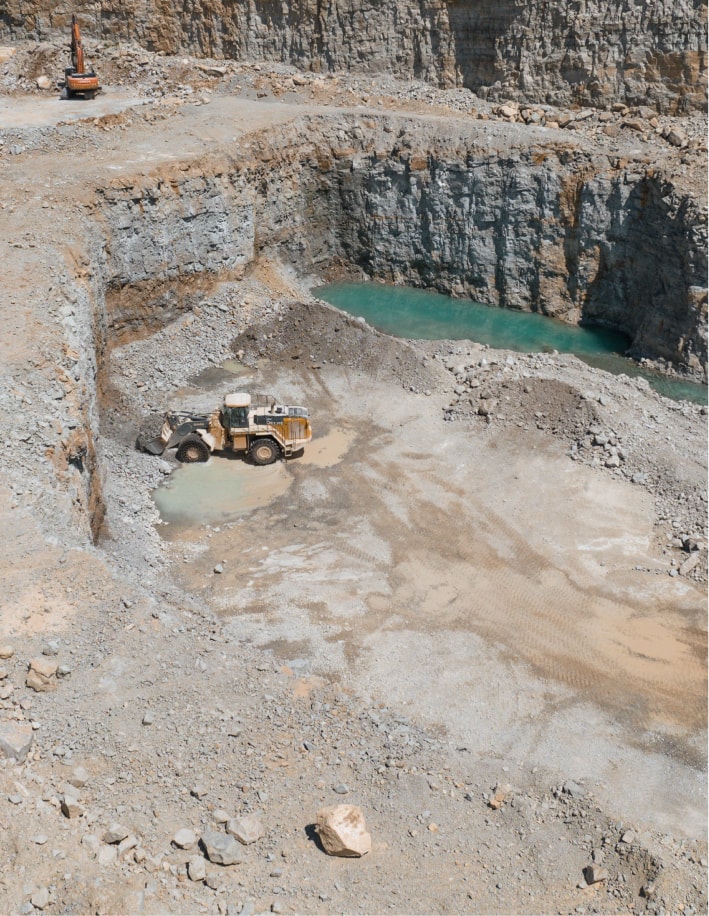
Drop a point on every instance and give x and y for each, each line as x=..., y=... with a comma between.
x=226, y=373
x=218, y=491
x=328, y=450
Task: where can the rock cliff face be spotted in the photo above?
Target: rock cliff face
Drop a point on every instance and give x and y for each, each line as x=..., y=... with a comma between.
x=549, y=230
x=592, y=52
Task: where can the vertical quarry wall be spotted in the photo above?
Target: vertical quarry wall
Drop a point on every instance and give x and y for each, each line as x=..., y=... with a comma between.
x=551, y=230
x=586, y=51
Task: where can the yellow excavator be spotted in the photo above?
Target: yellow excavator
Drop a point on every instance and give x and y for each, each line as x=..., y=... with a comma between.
x=78, y=81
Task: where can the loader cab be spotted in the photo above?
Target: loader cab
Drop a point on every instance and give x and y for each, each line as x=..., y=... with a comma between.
x=235, y=413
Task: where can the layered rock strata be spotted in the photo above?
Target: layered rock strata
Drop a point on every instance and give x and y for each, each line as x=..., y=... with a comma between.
x=590, y=52
x=548, y=229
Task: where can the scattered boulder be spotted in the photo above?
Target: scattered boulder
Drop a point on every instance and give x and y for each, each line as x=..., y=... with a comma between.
x=42, y=675
x=197, y=868
x=688, y=565
x=497, y=799
x=247, y=829
x=40, y=898
x=185, y=838
x=127, y=845
x=595, y=873
x=71, y=807
x=107, y=855
x=15, y=740
x=115, y=833
x=79, y=777
x=342, y=831
x=676, y=137
x=221, y=848
x=44, y=82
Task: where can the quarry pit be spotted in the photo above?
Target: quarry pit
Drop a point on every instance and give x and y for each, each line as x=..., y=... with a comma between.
x=435, y=599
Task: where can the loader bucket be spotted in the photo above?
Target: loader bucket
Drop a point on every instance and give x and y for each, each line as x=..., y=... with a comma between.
x=152, y=446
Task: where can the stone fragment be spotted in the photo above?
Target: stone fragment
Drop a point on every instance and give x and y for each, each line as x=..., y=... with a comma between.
x=71, y=807
x=79, y=777
x=342, y=831
x=6, y=652
x=115, y=833
x=148, y=718
x=126, y=845
x=107, y=855
x=221, y=849
x=42, y=675
x=40, y=898
x=689, y=564
x=220, y=816
x=247, y=829
x=185, y=838
x=197, y=868
x=92, y=843
x=497, y=799
x=676, y=137
x=15, y=740
x=44, y=82
x=595, y=873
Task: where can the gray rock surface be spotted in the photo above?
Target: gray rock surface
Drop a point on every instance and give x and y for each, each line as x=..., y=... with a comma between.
x=647, y=54
x=221, y=848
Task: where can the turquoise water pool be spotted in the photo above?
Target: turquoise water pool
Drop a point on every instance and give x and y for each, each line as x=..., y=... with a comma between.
x=422, y=315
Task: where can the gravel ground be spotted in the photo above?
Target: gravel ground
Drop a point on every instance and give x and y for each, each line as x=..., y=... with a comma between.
x=515, y=699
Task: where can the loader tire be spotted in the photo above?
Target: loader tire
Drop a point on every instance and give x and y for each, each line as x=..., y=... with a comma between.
x=192, y=450
x=264, y=451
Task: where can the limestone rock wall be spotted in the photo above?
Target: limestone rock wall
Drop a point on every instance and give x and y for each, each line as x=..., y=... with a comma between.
x=565, y=236
x=552, y=231
x=567, y=51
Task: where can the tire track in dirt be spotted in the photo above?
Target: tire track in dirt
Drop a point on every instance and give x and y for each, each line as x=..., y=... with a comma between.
x=513, y=597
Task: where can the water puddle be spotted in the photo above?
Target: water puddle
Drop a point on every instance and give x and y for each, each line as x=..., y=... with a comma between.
x=219, y=375
x=218, y=491
x=423, y=315
x=327, y=451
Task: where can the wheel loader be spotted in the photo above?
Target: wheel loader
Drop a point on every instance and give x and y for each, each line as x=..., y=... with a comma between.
x=260, y=428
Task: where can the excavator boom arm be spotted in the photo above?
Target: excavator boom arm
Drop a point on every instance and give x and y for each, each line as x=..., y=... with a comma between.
x=77, y=52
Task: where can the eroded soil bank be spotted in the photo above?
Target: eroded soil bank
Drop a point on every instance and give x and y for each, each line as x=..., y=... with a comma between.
x=461, y=591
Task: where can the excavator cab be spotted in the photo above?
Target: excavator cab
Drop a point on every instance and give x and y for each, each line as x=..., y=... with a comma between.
x=78, y=81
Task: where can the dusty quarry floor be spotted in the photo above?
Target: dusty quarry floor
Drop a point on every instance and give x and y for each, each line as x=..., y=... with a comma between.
x=427, y=604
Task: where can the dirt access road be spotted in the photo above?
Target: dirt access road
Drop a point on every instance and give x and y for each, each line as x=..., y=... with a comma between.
x=428, y=608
